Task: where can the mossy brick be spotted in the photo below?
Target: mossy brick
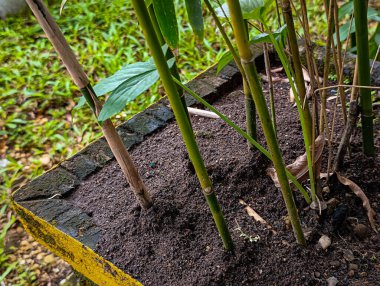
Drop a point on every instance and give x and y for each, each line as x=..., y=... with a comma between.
x=53, y=184
x=230, y=72
x=209, y=76
x=160, y=111
x=143, y=123
x=129, y=137
x=200, y=87
x=68, y=218
x=80, y=165
x=98, y=152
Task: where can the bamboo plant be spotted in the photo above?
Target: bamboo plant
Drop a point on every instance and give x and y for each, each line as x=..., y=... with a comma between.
x=360, y=12
x=247, y=61
x=182, y=120
x=79, y=77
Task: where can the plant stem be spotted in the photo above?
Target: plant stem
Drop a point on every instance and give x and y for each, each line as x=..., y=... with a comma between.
x=81, y=80
x=169, y=54
x=270, y=83
x=247, y=60
x=246, y=136
x=299, y=79
x=250, y=109
x=182, y=120
x=284, y=60
x=360, y=12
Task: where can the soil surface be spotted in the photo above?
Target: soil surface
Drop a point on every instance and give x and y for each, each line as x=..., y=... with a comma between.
x=176, y=243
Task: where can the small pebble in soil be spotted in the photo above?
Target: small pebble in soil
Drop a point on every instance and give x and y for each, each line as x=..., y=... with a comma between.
x=348, y=255
x=353, y=267
x=332, y=281
x=324, y=242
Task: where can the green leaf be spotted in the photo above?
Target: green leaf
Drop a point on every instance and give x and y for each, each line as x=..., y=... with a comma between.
x=252, y=9
x=224, y=60
x=167, y=20
x=129, y=89
x=372, y=14
x=111, y=83
x=194, y=11
x=346, y=9
x=343, y=31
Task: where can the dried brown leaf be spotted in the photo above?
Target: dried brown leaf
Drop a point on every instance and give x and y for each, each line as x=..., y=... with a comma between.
x=360, y=194
x=299, y=167
x=252, y=213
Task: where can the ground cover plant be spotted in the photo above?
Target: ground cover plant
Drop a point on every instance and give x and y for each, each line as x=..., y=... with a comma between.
x=281, y=175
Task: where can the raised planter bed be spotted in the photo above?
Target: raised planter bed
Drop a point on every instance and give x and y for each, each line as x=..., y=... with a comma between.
x=84, y=211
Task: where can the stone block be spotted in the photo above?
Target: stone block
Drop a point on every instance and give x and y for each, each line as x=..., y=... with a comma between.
x=56, y=183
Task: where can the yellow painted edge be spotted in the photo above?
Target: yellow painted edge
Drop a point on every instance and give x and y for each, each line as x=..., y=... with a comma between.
x=80, y=257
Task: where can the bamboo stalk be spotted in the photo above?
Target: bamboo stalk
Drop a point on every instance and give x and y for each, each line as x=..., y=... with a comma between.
x=298, y=75
x=57, y=39
x=360, y=12
x=247, y=60
x=182, y=120
x=270, y=83
x=169, y=54
x=249, y=104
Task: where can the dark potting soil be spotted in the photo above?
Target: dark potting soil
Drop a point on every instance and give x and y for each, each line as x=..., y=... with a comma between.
x=176, y=243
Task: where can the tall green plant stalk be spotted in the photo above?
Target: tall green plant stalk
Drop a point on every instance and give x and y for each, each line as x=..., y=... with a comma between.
x=169, y=54
x=270, y=83
x=360, y=12
x=250, y=109
x=182, y=120
x=116, y=144
x=299, y=79
x=247, y=60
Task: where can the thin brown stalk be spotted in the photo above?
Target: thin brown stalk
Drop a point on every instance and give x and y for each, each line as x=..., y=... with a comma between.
x=60, y=44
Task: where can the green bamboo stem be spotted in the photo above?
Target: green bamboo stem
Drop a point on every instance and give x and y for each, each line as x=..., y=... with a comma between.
x=360, y=12
x=182, y=120
x=247, y=60
x=250, y=109
x=299, y=79
x=245, y=135
x=270, y=83
x=326, y=67
x=307, y=138
x=169, y=54
x=81, y=80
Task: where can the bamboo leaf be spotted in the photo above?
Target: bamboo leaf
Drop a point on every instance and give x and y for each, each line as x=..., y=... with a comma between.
x=360, y=194
x=132, y=86
x=224, y=60
x=194, y=11
x=252, y=9
x=167, y=20
x=299, y=167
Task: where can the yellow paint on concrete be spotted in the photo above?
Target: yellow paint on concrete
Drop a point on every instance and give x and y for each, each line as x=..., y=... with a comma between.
x=80, y=257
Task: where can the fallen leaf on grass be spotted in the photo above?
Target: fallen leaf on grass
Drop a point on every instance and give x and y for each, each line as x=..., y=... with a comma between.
x=299, y=168
x=360, y=194
x=252, y=213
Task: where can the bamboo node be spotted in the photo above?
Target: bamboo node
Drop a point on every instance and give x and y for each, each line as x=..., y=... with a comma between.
x=244, y=61
x=207, y=191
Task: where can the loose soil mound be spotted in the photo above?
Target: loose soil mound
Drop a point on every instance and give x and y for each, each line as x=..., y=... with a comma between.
x=176, y=243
